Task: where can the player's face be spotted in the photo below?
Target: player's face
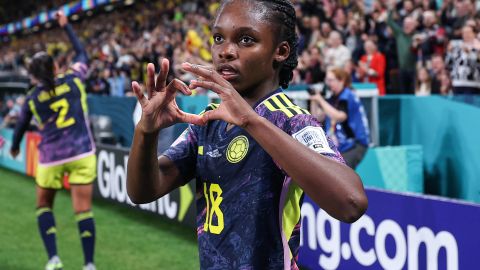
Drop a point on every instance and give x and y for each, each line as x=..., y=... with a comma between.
x=244, y=48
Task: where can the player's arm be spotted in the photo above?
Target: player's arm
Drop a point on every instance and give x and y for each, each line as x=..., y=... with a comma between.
x=20, y=128
x=335, y=187
x=80, y=53
x=149, y=178
x=332, y=185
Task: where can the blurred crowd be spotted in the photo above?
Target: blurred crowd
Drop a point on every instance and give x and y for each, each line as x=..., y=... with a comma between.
x=11, y=11
x=417, y=47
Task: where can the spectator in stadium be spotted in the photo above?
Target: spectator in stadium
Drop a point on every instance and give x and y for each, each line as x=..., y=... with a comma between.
x=436, y=72
x=430, y=40
x=455, y=14
x=97, y=84
x=336, y=54
x=58, y=105
x=313, y=72
x=372, y=66
x=9, y=103
x=406, y=59
x=355, y=39
x=14, y=113
x=407, y=9
x=423, y=83
x=233, y=148
x=463, y=62
x=352, y=69
x=445, y=84
x=316, y=37
x=345, y=118
x=340, y=21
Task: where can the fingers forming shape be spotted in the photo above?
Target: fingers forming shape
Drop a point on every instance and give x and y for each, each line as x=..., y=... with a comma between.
x=150, y=80
x=207, y=84
x=173, y=87
x=212, y=115
x=162, y=76
x=139, y=94
x=192, y=119
x=206, y=72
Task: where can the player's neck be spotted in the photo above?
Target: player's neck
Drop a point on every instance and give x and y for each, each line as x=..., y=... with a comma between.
x=253, y=96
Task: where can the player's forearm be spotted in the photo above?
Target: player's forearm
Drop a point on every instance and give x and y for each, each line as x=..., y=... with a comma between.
x=81, y=55
x=143, y=183
x=20, y=129
x=333, y=186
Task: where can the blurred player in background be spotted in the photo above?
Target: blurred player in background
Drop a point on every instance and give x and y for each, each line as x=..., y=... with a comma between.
x=254, y=155
x=58, y=103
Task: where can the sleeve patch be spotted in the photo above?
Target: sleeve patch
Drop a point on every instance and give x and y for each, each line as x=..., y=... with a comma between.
x=315, y=139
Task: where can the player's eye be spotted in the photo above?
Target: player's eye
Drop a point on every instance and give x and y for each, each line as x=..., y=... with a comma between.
x=246, y=40
x=217, y=39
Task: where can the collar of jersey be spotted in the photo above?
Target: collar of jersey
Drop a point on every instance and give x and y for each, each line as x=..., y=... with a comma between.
x=279, y=90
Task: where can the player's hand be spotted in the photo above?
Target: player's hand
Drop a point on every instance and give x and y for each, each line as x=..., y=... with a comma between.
x=159, y=109
x=233, y=108
x=14, y=152
x=61, y=18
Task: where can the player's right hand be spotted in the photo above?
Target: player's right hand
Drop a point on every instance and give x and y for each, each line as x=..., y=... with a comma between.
x=61, y=18
x=159, y=109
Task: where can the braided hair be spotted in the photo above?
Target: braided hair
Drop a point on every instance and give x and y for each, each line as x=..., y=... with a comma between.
x=282, y=14
x=42, y=67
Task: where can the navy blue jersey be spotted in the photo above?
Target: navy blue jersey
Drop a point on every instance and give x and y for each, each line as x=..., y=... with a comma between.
x=61, y=113
x=62, y=117
x=248, y=208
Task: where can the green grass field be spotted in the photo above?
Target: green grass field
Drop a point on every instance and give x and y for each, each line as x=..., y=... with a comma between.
x=126, y=239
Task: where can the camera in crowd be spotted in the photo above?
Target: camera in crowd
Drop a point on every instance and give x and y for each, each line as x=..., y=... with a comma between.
x=321, y=89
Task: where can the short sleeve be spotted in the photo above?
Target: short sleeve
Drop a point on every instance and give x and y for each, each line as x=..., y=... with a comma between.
x=80, y=70
x=309, y=132
x=183, y=152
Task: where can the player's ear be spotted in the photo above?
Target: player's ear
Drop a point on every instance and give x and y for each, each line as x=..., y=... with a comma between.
x=282, y=52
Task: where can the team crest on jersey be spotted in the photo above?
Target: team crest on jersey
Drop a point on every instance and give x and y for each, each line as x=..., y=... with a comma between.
x=237, y=149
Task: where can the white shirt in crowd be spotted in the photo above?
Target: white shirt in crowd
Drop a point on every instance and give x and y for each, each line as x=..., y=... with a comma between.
x=337, y=57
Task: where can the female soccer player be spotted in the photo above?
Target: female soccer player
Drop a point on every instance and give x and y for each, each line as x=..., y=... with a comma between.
x=59, y=106
x=253, y=155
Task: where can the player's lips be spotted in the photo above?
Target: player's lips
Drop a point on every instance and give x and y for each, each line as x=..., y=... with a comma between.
x=228, y=72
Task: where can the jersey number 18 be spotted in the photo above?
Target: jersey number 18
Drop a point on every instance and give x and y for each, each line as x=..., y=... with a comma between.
x=213, y=197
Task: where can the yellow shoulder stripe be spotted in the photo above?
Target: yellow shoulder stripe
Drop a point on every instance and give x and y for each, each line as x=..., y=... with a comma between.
x=33, y=109
x=211, y=106
x=281, y=102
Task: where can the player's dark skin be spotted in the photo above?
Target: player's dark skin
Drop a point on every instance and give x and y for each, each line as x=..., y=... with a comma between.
x=244, y=53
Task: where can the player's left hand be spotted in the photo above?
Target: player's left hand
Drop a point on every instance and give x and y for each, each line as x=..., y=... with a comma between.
x=233, y=108
x=14, y=153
